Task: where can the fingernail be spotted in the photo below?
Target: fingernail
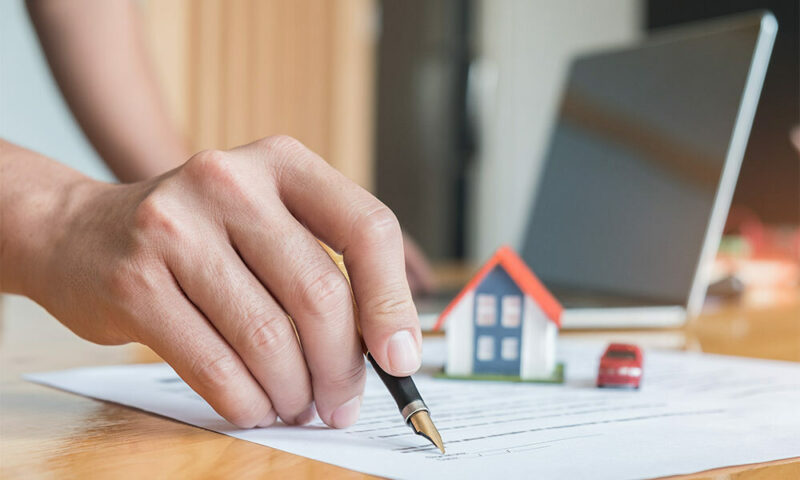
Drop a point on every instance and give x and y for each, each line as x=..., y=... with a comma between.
x=269, y=419
x=307, y=415
x=347, y=413
x=403, y=353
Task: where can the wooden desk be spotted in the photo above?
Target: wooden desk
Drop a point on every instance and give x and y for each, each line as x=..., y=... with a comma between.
x=52, y=434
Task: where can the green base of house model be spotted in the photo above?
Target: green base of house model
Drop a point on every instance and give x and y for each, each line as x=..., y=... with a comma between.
x=557, y=377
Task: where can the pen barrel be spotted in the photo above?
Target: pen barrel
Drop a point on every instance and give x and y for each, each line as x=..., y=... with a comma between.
x=402, y=389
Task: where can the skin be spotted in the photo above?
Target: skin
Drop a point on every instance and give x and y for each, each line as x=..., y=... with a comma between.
x=204, y=259
x=203, y=264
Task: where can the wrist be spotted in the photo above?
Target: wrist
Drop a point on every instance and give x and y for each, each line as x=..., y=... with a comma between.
x=39, y=200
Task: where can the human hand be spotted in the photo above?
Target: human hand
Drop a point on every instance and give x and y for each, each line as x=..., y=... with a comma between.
x=204, y=263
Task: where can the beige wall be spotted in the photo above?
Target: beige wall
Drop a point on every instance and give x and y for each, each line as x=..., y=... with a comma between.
x=525, y=47
x=237, y=70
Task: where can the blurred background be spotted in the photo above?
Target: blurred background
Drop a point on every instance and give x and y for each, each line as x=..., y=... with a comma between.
x=442, y=108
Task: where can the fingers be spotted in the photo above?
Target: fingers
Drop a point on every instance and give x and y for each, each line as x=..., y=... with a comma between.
x=271, y=263
x=254, y=324
x=294, y=267
x=185, y=340
x=355, y=223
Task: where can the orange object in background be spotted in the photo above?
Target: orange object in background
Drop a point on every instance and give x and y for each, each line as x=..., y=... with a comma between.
x=765, y=259
x=762, y=241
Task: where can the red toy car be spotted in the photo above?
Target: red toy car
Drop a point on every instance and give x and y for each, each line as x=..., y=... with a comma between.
x=620, y=366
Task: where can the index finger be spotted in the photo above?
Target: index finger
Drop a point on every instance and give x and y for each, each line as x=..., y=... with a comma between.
x=366, y=232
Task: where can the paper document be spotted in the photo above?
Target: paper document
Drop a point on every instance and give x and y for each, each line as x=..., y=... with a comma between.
x=694, y=412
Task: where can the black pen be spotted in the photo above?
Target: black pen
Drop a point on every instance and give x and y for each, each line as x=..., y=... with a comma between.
x=413, y=409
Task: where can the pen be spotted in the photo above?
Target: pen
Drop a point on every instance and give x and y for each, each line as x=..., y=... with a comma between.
x=413, y=409
x=410, y=403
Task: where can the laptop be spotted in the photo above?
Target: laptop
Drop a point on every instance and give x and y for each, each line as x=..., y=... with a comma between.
x=640, y=171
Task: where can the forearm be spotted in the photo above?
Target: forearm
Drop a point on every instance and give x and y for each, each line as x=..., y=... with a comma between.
x=97, y=55
x=35, y=195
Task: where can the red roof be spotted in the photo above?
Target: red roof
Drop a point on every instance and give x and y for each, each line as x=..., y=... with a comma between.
x=521, y=275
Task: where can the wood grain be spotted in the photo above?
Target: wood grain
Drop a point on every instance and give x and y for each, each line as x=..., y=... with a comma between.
x=45, y=433
x=234, y=71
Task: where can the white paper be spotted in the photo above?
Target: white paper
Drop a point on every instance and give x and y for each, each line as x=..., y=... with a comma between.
x=694, y=412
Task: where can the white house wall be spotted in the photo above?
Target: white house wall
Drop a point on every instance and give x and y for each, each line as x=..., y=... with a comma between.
x=459, y=331
x=549, y=346
x=538, y=342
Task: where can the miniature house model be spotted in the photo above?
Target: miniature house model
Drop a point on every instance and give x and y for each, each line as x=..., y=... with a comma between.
x=503, y=323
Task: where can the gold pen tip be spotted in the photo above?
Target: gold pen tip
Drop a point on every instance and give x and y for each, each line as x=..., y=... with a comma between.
x=422, y=425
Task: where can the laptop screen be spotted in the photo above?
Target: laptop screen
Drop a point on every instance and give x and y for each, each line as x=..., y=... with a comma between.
x=634, y=165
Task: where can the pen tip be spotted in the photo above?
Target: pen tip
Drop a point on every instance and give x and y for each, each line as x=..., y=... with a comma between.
x=422, y=425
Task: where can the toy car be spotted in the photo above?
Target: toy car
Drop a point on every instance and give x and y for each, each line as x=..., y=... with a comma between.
x=620, y=366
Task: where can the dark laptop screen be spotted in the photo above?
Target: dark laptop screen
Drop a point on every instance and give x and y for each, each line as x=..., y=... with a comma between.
x=634, y=164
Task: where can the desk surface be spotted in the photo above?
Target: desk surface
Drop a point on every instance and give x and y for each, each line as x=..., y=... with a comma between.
x=48, y=433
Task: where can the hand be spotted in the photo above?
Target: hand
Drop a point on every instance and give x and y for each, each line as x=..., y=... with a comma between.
x=204, y=263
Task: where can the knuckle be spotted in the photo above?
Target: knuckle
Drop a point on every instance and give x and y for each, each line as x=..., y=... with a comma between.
x=324, y=292
x=207, y=159
x=347, y=378
x=286, y=157
x=388, y=305
x=280, y=143
x=378, y=226
x=212, y=168
x=215, y=372
x=153, y=216
x=267, y=335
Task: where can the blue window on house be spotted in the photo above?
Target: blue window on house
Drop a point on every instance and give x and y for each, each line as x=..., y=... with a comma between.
x=497, y=319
